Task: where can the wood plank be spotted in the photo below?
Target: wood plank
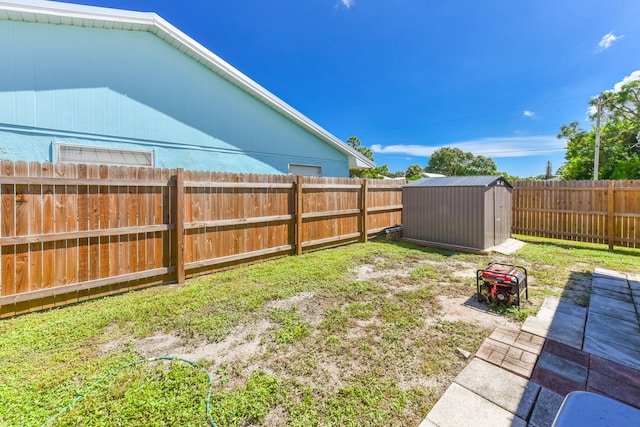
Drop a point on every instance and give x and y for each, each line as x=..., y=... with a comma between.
x=83, y=225
x=151, y=219
x=114, y=241
x=161, y=216
x=331, y=240
x=180, y=219
x=239, y=221
x=203, y=194
x=7, y=228
x=71, y=219
x=238, y=185
x=611, y=209
x=60, y=226
x=114, y=232
x=132, y=218
x=48, y=226
x=542, y=210
x=42, y=293
x=62, y=180
x=122, y=214
x=105, y=218
x=385, y=208
x=238, y=257
x=22, y=220
x=298, y=214
x=142, y=219
x=7, y=220
x=239, y=201
x=93, y=208
x=209, y=215
x=315, y=186
x=169, y=240
x=331, y=214
x=193, y=213
x=35, y=227
x=189, y=238
x=276, y=233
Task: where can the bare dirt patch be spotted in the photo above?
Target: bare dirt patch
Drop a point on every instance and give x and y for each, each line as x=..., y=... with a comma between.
x=276, y=417
x=470, y=310
x=242, y=344
x=158, y=345
x=240, y=347
x=299, y=301
x=465, y=273
x=371, y=272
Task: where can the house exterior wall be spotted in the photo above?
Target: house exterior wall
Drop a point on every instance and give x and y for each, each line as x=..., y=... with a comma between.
x=129, y=89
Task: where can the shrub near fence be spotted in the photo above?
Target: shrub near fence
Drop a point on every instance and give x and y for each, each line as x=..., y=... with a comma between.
x=606, y=212
x=73, y=232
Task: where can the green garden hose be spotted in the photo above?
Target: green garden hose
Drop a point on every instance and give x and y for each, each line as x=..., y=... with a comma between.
x=137, y=362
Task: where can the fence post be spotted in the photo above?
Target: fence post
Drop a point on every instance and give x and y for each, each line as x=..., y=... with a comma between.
x=365, y=207
x=180, y=225
x=611, y=201
x=298, y=215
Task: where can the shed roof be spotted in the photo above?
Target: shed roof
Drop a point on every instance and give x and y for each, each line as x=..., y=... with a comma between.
x=459, y=181
x=49, y=12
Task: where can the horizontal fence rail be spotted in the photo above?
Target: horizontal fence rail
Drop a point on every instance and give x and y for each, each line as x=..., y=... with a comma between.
x=73, y=232
x=606, y=212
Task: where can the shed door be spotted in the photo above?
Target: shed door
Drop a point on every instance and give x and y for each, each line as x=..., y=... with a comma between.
x=502, y=215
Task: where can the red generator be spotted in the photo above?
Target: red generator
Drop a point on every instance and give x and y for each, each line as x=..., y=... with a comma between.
x=503, y=283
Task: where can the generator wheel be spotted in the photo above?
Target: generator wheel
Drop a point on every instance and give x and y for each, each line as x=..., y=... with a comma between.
x=503, y=297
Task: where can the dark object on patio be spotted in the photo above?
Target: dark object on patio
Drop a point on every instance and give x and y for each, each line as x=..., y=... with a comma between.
x=587, y=409
x=504, y=283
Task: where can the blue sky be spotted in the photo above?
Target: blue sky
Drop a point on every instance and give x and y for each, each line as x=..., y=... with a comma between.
x=494, y=77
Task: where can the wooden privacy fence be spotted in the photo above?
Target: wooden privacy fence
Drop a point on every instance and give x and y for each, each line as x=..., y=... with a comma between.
x=73, y=232
x=605, y=212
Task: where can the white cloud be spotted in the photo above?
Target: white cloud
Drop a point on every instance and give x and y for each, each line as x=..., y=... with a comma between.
x=593, y=110
x=347, y=3
x=411, y=150
x=528, y=113
x=489, y=147
x=630, y=78
x=607, y=40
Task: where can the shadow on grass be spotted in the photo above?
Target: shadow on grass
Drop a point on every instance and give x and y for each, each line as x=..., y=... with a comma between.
x=407, y=245
x=571, y=245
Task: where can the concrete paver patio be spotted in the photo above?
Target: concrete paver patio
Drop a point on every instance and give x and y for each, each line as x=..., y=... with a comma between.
x=520, y=377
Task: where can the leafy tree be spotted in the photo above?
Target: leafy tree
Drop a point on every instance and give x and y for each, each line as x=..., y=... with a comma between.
x=455, y=162
x=619, y=154
x=355, y=142
x=481, y=165
x=620, y=104
x=397, y=174
x=413, y=171
x=510, y=178
x=580, y=149
x=549, y=171
x=377, y=172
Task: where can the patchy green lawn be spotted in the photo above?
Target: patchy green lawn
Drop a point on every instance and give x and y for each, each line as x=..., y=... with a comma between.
x=366, y=334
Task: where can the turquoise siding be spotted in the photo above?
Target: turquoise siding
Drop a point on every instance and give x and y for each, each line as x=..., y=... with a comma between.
x=131, y=90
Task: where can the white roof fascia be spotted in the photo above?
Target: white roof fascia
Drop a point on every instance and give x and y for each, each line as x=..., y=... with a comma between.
x=99, y=17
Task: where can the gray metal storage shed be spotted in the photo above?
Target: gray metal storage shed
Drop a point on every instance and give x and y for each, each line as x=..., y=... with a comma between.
x=458, y=212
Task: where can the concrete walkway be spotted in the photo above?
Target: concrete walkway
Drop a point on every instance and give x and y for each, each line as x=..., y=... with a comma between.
x=520, y=377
